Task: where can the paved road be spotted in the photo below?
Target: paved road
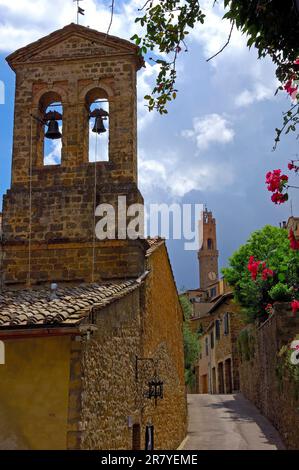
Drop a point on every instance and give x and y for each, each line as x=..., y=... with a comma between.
x=228, y=422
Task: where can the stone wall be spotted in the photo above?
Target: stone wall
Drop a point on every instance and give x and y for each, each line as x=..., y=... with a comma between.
x=107, y=394
x=107, y=390
x=163, y=340
x=267, y=377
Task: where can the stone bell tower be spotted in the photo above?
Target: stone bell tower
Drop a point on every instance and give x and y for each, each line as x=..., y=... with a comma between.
x=48, y=213
x=208, y=253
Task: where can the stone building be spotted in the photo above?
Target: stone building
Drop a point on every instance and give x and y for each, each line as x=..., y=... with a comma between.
x=208, y=253
x=215, y=318
x=218, y=366
x=88, y=336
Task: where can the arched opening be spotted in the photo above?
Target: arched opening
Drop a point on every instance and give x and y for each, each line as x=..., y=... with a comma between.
x=50, y=128
x=97, y=137
x=210, y=244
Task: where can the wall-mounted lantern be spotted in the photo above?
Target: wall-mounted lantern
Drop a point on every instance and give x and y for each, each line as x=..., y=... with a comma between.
x=155, y=388
x=155, y=384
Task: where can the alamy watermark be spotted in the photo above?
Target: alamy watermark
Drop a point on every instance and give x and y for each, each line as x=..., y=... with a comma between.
x=135, y=221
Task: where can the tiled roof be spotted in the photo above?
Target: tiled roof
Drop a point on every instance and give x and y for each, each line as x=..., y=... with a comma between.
x=153, y=244
x=68, y=306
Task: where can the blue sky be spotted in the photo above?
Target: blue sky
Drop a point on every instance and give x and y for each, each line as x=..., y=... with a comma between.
x=214, y=146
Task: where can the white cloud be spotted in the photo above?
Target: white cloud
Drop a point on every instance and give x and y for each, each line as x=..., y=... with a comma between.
x=170, y=173
x=24, y=21
x=214, y=33
x=259, y=93
x=53, y=152
x=212, y=128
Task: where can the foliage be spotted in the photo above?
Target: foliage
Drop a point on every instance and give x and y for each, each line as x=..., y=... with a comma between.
x=286, y=370
x=271, y=26
x=281, y=292
x=269, y=244
x=191, y=343
x=167, y=23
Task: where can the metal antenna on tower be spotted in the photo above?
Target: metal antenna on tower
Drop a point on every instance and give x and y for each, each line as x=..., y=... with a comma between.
x=80, y=11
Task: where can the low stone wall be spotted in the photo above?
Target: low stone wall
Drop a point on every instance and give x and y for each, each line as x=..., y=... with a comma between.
x=267, y=376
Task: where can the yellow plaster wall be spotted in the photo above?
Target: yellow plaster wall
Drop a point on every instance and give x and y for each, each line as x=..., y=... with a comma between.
x=34, y=393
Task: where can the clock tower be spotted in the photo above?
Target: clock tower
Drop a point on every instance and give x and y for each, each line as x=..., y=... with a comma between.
x=208, y=253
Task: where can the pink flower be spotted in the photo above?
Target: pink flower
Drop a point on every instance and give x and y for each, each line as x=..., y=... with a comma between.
x=269, y=308
x=253, y=267
x=295, y=306
x=289, y=88
x=267, y=273
x=296, y=62
x=279, y=198
x=294, y=243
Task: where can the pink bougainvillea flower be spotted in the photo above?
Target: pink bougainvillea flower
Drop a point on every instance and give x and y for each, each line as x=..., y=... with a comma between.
x=279, y=198
x=276, y=181
x=295, y=306
x=269, y=308
x=253, y=267
x=296, y=61
x=289, y=88
x=291, y=166
x=267, y=273
x=294, y=243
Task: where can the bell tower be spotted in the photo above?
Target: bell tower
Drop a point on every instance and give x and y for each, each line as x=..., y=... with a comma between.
x=208, y=253
x=67, y=84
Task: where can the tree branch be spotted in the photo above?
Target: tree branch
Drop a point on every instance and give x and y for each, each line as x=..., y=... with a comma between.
x=112, y=14
x=225, y=45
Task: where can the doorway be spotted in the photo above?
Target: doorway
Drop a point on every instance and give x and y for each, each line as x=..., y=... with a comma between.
x=228, y=376
x=220, y=378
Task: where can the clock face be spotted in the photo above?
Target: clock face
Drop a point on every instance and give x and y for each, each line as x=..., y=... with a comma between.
x=212, y=276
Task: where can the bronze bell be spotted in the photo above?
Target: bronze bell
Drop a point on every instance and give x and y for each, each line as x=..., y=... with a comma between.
x=99, y=127
x=53, y=131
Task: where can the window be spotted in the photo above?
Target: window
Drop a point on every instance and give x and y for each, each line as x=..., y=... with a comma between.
x=213, y=292
x=226, y=323
x=210, y=244
x=207, y=346
x=217, y=329
x=212, y=339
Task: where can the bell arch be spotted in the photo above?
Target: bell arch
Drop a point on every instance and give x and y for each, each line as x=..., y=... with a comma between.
x=49, y=123
x=97, y=131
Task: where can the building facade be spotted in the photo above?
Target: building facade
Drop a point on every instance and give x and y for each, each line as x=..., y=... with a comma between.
x=93, y=352
x=218, y=366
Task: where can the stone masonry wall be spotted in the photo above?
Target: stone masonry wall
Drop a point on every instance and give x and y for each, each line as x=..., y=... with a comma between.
x=103, y=387
x=267, y=377
x=163, y=340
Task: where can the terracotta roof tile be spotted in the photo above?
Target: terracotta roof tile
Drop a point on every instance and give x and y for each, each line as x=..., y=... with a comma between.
x=68, y=306
x=154, y=243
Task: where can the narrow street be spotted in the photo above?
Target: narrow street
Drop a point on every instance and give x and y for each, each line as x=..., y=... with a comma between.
x=228, y=422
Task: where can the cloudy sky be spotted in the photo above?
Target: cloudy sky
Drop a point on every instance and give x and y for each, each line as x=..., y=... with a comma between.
x=215, y=145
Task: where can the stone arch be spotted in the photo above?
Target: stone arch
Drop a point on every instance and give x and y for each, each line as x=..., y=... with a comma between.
x=101, y=86
x=46, y=98
x=60, y=91
x=94, y=94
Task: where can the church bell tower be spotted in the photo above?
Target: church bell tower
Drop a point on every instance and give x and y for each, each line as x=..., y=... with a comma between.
x=75, y=88
x=208, y=253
